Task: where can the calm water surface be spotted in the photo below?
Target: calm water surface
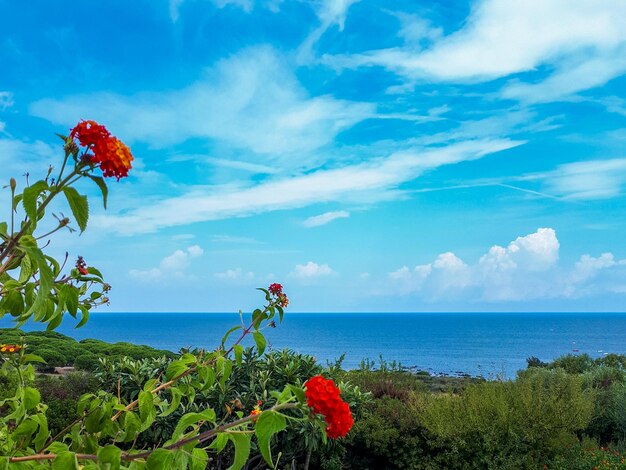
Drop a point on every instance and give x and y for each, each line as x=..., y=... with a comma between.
x=475, y=343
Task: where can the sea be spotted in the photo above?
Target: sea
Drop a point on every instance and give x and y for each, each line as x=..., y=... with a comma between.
x=492, y=345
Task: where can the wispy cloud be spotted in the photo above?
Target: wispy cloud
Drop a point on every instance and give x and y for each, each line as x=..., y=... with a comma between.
x=6, y=100
x=582, y=41
x=372, y=180
x=330, y=13
x=325, y=218
x=251, y=101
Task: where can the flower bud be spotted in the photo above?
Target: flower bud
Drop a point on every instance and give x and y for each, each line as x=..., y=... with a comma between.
x=13, y=184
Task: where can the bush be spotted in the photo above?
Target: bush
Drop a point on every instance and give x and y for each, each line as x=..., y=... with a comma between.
x=87, y=361
x=511, y=424
x=53, y=359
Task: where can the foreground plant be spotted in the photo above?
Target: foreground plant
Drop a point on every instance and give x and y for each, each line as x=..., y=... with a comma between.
x=36, y=287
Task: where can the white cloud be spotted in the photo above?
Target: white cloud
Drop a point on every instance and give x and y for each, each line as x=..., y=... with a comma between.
x=325, y=218
x=18, y=157
x=330, y=13
x=528, y=269
x=587, y=180
x=312, y=270
x=170, y=267
x=251, y=101
x=582, y=41
x=374, y=180
x=234, y=275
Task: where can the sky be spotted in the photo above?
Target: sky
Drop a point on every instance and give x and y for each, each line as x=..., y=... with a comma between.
x=371, y=156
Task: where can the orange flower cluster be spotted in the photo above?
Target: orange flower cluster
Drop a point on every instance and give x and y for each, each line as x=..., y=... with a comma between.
x=109, y=152
x=323, y=397
x=10, y=348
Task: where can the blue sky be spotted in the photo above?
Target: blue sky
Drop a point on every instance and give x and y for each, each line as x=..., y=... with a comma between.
x=369, y=155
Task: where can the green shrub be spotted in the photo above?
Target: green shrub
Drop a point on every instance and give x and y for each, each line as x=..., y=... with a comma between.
x=87, y=361
x=516, y=424
x=53, y=359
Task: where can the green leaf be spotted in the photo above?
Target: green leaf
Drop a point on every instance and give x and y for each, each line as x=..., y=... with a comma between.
x=84, y=316
x=26, y=269
x=147, y=412
x=31, y=194
x=229, y=332
x=242, y=450
x=238, y=354
x=259, y=339
x=199, y=459
x=220, y=441
x=78, y=205
x=43, y=434
x=268, y=424
x=32, y=397
x=65, y=461
x=110, y=455
x=191, y=419
x=70, y=297
x=160, y=459
x=33, y=358
x=103, y=187
x=174, y=402
x=175, y=369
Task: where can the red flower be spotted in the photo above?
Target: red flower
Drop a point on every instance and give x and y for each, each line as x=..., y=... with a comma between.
x=109, y=152
x=275, y=289
x=89, y=133
x=81, y=266
x=323, y=397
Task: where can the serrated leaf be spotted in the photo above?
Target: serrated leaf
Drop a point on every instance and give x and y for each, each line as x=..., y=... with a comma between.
x=32, y=397
x=199, y=459
x=79, y=206
x=242, y=450
x=147, y=411
x=103, y=187
x=191, y=419
x=29, y=200
x=238, y=349
x=268, y=424
x=175, y=369
x=259, y=339
x=65, y=461
x=110, y=455
x=228, y=333
x=174, y=401
x=160, y=459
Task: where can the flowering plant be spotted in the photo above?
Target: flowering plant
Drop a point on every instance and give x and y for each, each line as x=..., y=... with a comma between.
x=36, y=287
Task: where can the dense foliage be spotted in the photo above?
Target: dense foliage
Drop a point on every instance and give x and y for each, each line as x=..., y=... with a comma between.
x=168, y=412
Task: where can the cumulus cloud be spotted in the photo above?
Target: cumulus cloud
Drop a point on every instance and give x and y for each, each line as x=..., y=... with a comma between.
x=582, y=41
x=528, y=268
x=325, y=218
x=171, y=267
x=312, y=270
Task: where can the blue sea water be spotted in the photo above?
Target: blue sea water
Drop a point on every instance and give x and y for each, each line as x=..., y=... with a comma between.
x=486, y=344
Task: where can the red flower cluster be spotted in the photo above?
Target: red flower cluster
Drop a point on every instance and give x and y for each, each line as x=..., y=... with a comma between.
x=277, y=291
x=275, y=288
x=323, y=397
x=109, y=152
x=81, y=266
